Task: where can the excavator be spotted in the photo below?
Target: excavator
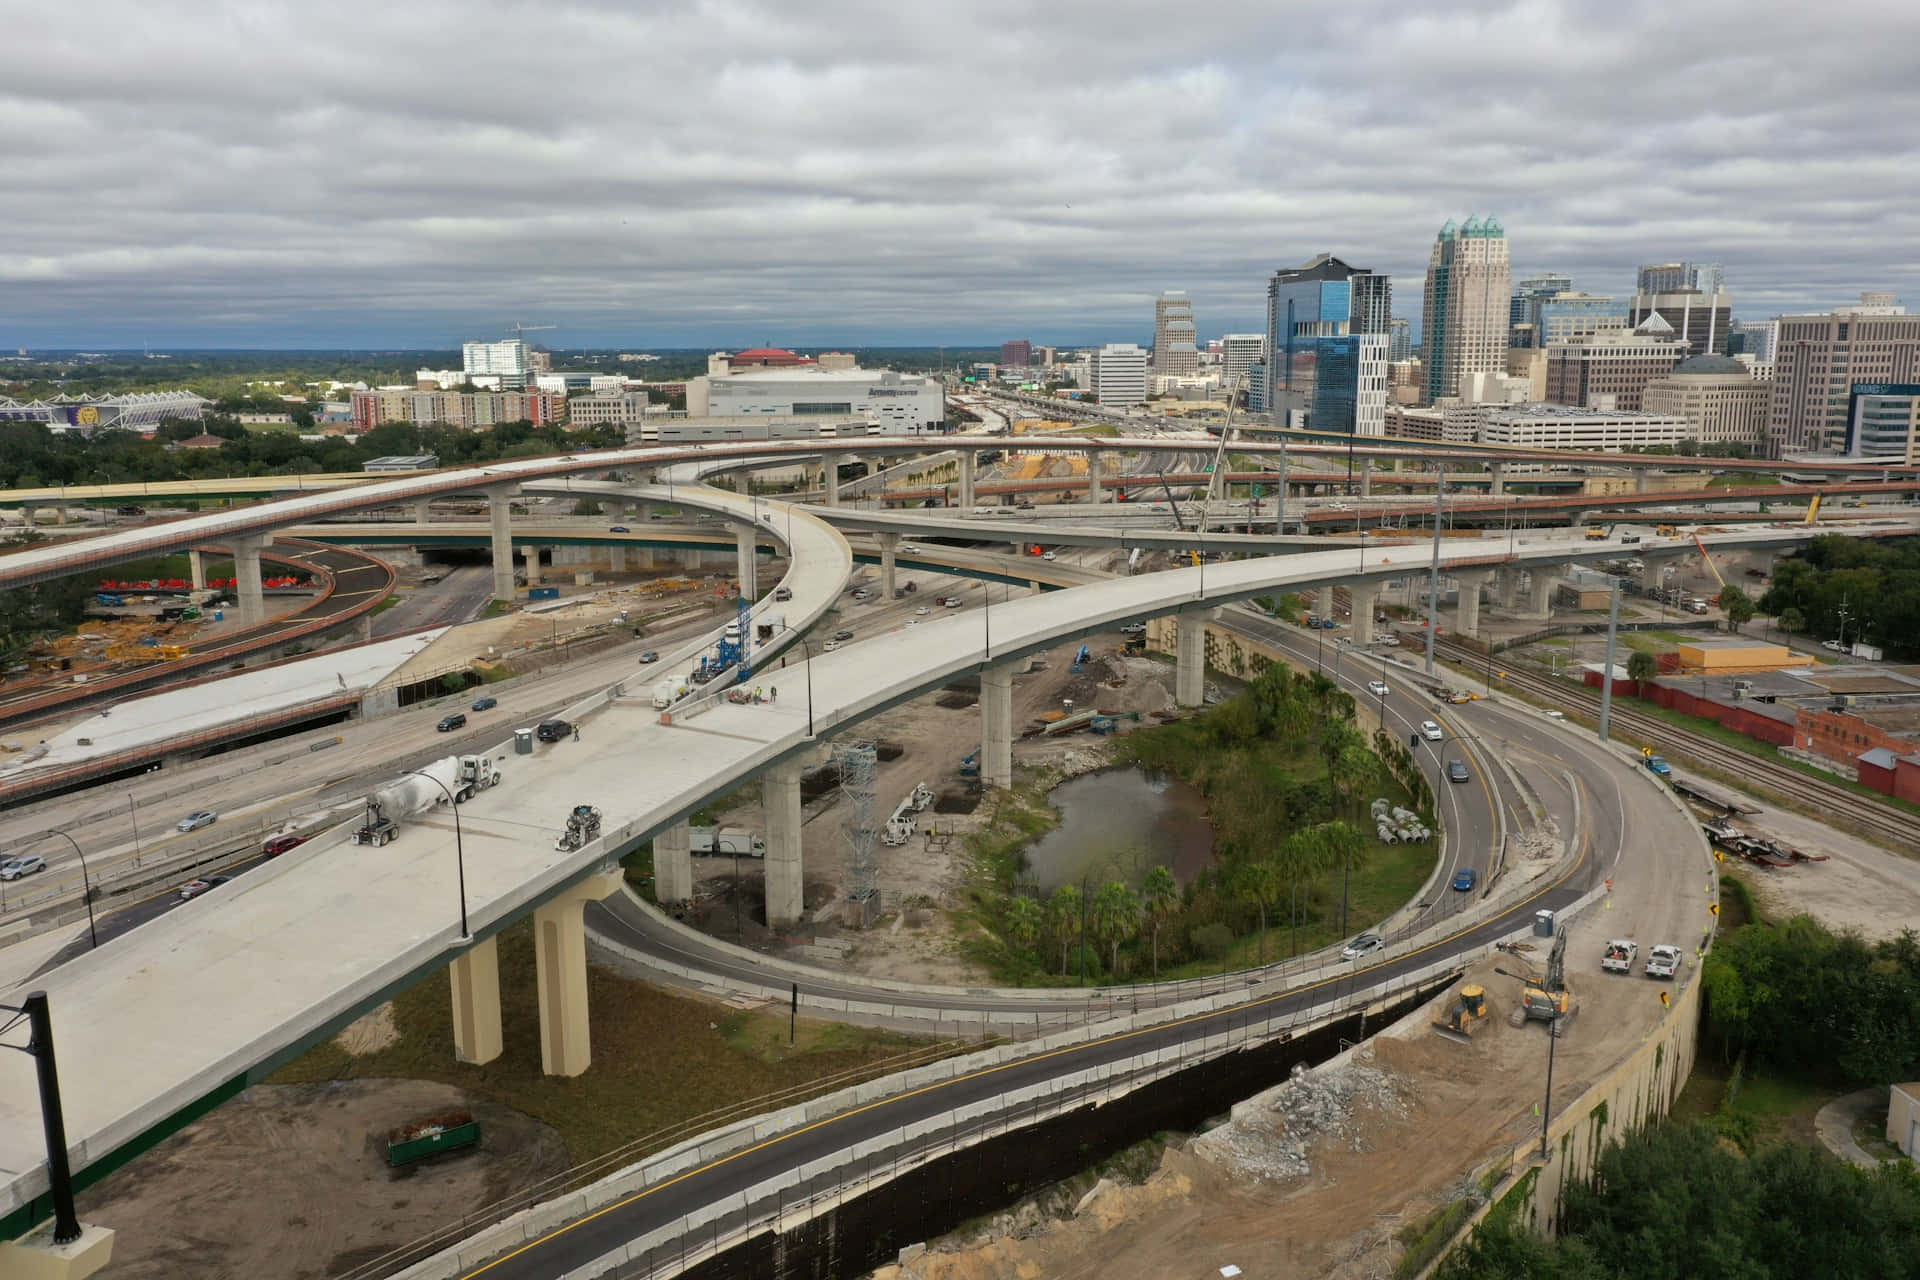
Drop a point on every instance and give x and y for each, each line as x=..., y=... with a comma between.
x=1544, y=996
x=1469, y=1011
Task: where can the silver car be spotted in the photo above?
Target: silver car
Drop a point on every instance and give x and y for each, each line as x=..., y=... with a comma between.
x=24, y=865
x=197, y=819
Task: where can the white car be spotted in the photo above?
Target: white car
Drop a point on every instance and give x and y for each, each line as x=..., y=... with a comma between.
x=1620, y=954
x=1378, y=688
x=24, y=865
x=1431, y=731
x=910, y=548
x=197, y=819
x=922, y=611
x=1365, y=944
x=953, y=602
x=830, y=646
x=1663, y=961
x=1048, y=556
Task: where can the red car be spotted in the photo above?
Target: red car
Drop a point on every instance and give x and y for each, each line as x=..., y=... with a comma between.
x=277, y=845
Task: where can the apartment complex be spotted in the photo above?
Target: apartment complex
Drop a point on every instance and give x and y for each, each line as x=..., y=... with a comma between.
x=471, y=409
x=1817, y=361
x=1118, y=372
x=505, y=365
x=1176, y=345
x=1468, y=294
x=1611, y=370
x=1327, y=366
x=1719, y=397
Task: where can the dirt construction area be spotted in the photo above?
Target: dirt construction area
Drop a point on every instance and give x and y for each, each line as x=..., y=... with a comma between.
x=1318, y=1176
x=231, y=1197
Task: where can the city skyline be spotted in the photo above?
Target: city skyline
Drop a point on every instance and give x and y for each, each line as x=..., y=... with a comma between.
x=704, y=177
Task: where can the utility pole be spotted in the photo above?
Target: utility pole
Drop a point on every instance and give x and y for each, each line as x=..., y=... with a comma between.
x=1433, y=575
x=1606, y=680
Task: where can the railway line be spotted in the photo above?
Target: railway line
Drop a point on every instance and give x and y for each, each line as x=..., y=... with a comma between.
x=1892, y=826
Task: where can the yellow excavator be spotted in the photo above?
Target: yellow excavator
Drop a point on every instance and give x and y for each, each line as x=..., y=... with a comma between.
x=1544, y=996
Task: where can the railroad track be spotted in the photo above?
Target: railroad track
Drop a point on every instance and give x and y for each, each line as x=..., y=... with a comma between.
x=1884, y=822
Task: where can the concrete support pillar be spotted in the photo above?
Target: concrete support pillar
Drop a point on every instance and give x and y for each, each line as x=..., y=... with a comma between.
x=246, y=577
x=889, y=546
x=743, y=546
x=532, y=557
x=617, y=559
x=643, y=558
x=1467, y=615
x=780, y=797
x=966, y=479
x=1217, y=485
x=197, y=569
x=1506, y=590
x=1498, y=486
x=996, y=726
x=1652, y=569
x=1093, y=477
x=832, y=475
x=1545, y=585
x=1366, y=601
x=673, y=864
x=1366, y=477
x=26, y=514
x=500, y=516
x=560, y=969
x=423, y=511
x=475, y=979
x=1641, y=478
x=1190, y=658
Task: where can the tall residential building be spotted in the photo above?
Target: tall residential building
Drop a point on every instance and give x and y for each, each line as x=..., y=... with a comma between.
x=509, y=361
x=1399, y=340
x=1119, y=375
x=1816, y=363
x=1676, y=277
x=1611, y=370
x=1239, y=352
x=1327, y=371
x=1017, y=354
x=1469, y=287
x=1176, y=350
x=1718, y=396
x=1701, y=319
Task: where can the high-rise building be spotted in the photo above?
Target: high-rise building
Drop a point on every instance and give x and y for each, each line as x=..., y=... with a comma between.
x=1399, y=340
x=1612, y=370
x=1677, y=277
x=1017, y=354
x=1239, y=352
x=1326, y=370
x=1718, y=396
x=1883, y=421
x=1570, y=314
x=1816, y=363
x=1176, y=351
x=1119, y=375
x=1700, y=318
x=1469, y=288
x=509, y=361
x=1755, y=338
x=1873, y=302
x=1520, y=305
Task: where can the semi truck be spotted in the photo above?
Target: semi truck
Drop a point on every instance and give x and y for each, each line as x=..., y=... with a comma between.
x=721, y=842
x=453, y=777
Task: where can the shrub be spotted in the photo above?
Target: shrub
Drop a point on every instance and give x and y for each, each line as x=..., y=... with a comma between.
x=1211, y=941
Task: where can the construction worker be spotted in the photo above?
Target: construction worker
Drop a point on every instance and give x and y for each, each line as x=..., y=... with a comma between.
x=576, y=731
x=773, y=693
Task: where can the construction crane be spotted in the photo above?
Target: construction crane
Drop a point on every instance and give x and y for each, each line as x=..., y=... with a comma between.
x=1712, y=568
x=521, y=331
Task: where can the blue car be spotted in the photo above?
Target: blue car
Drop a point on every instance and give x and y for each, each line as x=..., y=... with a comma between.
x=1465, y=878
x=486, y=704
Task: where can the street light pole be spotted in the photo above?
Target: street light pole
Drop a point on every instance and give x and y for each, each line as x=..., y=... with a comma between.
x=53, y=1123
x=86, y=884
x=459, y=848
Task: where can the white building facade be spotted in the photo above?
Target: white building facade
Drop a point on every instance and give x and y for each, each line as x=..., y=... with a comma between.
x=508, y=361
x=902, y=404
x=1119, y=373
x=1554, y=426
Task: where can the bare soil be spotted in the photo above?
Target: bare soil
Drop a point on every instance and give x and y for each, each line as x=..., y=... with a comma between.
x=1861, y=887
x=232, y=1196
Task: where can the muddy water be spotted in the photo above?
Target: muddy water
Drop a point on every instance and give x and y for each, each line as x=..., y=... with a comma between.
x=1118, y=825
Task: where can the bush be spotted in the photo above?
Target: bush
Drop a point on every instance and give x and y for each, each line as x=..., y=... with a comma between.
x=1211, y=941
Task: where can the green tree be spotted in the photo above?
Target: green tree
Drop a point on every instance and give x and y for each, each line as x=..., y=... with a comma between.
x=1025, y=918
x=1063, y=918
x=1162, y=896
x=1737, y=604
x=1115, y=918
x=586, y=507
x=1642, y=666
x=1263, y=881
x=1792, y=620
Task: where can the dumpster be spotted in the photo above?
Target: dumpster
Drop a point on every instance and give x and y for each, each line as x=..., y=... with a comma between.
x=410, y=1143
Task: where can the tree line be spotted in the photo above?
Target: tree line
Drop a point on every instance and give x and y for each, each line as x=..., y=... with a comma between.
x=1868, y=589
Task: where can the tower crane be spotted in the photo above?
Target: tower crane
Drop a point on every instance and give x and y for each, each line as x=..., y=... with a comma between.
x=521, y=331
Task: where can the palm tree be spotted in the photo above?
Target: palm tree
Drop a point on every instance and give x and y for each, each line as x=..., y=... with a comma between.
x=1162, y=895
x=1063, y=917
x=1024, y=920
x=1349, y=771
x=1263, y=880
x=1116, y=917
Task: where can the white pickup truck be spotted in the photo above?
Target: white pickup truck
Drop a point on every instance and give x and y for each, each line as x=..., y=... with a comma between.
x=1619, y=957
x=1663, y=961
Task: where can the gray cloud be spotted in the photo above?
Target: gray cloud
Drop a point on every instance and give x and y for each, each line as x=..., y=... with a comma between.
x=730, y=171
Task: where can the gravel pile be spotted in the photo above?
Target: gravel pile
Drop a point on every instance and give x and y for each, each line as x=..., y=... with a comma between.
x=1271, y=1135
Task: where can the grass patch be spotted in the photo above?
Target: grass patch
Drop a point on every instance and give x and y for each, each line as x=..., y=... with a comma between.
x=384, y=605
x=1424, y=1240
x=1765, y=1108
x=660, y=1061
x=497, y=607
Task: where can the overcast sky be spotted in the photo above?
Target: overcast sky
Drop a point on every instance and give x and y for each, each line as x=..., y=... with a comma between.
x=732, y=172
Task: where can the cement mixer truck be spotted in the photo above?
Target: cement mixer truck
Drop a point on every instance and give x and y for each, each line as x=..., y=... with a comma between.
x=455, y=777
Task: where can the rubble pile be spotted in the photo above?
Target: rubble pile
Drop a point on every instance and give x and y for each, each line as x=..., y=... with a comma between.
x=1271, y=1135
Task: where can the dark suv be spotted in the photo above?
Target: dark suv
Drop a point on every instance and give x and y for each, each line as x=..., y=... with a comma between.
x=458, y=720
x=552, y=730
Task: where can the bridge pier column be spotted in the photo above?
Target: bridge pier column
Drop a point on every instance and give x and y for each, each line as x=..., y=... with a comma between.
x=1366, y=477
x=743, y=544
x=780, y=797
x=1545, y=585
x=560, y=970
x=1506, y=588
x=197, y=568
x=1640, y=480
x=1190, y=658
x=1497, y=485
x=1467, y=615
x=673, y=864
x=889, y=547
x=616, y=559
x=966, y=479
x=1652, y=568
x=1093, y=477
x=246, y=578
x=423, y=511
x=830, y=476
x=531, y=555
x=1366, y=600
x=500, y=516
x=996, y=726
x=475, y=978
